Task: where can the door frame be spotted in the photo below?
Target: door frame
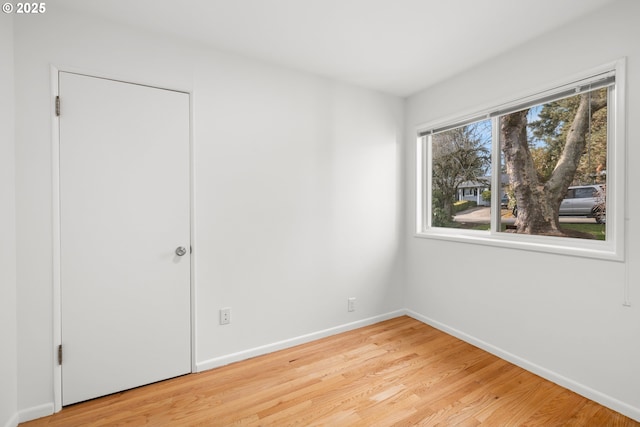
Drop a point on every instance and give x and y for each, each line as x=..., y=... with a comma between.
x=56, y=230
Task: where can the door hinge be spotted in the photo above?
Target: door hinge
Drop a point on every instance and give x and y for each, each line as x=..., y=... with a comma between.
x=58, y=106
x=60, y=354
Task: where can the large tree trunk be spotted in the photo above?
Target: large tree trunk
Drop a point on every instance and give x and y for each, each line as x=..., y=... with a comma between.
x=448, y=204
x=539, y=203
x=537, y=213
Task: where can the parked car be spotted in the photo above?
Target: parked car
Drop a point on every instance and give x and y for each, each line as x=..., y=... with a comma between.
x=504, y=201
x=583, y=200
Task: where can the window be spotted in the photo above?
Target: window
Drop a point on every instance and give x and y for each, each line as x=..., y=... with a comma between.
x=584, y=193
x=545, y=172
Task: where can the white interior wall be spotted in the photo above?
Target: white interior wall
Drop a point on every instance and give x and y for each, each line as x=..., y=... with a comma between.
x=296, y=187
x=8, y=355
x=285, y=253
x=561, y=316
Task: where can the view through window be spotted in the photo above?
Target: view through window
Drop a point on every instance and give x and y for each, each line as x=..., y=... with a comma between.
x=547, y=176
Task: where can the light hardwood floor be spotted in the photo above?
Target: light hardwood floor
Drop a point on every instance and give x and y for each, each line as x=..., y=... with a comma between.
x=398, y=372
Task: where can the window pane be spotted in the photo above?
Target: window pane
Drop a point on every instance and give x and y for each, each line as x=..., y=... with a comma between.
x=460, y=181
x=555, y=158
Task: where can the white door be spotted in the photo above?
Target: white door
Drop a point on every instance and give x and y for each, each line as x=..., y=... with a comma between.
x=124, y=210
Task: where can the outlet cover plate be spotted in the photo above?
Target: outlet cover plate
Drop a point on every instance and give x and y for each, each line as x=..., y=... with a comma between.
x=351, y=304
x=225, y=316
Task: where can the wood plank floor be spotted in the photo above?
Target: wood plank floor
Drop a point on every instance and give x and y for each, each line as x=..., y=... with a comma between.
x=400, y=372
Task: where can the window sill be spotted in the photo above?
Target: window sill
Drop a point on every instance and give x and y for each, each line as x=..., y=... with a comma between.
x=594, y=249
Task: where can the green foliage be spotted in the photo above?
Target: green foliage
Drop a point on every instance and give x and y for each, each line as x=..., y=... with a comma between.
x=548, y=136
x=459, y=155
x=463, y=205
x=439, y=218
x=486, y=195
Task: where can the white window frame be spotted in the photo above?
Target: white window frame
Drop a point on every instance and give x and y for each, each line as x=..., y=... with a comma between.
x=610, y=249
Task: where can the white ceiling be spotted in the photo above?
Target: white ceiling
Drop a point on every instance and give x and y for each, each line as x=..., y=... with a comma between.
x=395, y=46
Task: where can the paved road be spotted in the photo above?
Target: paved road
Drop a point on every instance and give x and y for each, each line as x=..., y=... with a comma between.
x=483, y=214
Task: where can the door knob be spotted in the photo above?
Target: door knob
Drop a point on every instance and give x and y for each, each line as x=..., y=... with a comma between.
x=180, y=250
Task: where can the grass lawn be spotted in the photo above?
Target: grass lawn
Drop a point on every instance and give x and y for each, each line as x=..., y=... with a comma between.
x=597, y=230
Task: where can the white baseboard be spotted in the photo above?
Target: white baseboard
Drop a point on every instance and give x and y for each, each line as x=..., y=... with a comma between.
x=12, y=422
x=589, y=393
x=35, y=412
x=280, y=345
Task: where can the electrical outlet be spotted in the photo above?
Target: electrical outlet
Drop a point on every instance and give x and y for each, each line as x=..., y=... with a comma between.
x=351, y=304
x=225, y=316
